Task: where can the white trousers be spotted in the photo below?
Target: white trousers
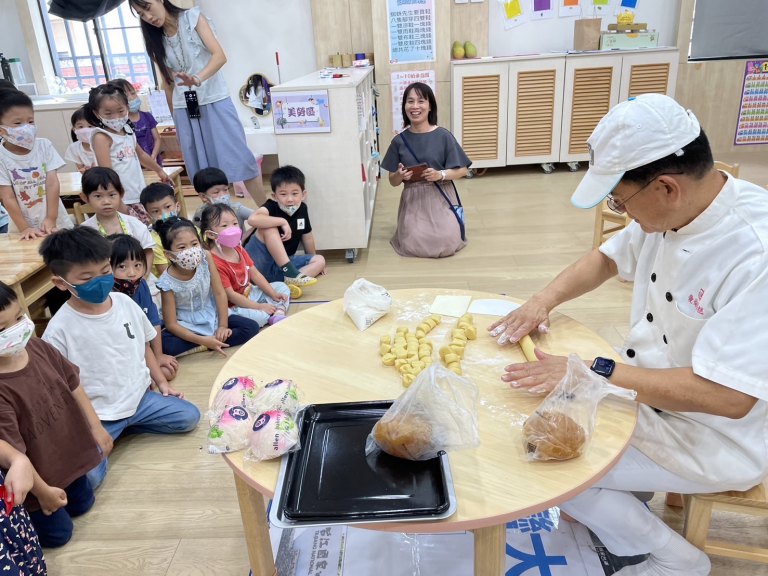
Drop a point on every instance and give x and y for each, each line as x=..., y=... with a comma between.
x=621, y=521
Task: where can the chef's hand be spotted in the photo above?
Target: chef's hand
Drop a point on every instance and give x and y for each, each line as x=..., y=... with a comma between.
x=533, y=315
x=537, y=377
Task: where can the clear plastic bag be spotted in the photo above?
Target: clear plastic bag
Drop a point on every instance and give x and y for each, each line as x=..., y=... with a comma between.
x=277, y=395
x=229, y=432
x=562, y=426
x=366, y=302
x=273, y=434
x=236, y=391
x=437, y=413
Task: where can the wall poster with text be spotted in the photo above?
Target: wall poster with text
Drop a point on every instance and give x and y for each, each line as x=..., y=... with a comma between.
x=411, y=31
x=301, y=112
x=752, y=126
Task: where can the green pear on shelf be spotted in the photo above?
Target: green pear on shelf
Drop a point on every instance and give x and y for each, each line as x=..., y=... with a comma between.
x=457, y=51
x=469, y=50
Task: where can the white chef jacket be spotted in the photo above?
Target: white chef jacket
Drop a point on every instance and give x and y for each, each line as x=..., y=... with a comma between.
x=700, y=299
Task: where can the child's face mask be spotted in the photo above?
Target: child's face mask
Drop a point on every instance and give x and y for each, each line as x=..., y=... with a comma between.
x=23, y=135
x=290, y=210
x=14, y=339
x=84, y=134
x=95, y=291
x=188, y=259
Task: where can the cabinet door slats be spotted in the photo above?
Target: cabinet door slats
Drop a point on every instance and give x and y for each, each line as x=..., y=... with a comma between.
x=535, y=103
x=646, y=78
x=480, y=101
x=591, y=101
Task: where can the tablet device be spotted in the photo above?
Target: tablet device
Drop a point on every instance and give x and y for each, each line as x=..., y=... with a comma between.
x=418, y=172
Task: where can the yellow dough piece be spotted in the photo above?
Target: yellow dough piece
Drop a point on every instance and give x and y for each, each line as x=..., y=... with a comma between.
x=459, y=333
x=458, y=350
x=527, y=345
x=458, y=342
x=455, y=367
x=408, y=379
x=413, y=358
x=431, y=323
x=428, y=360
x=384, y=349
x=420, y=333
x=451, y=358
x=471, y=333
x=444, y=350
x=467, y=318
x=418, y=366
x=424, y=327
x=402, y=330
x=400, y=353
x=436, y=317
x=399, y=362
x=406, y=369
x=388, y=359
x=386, y=339
x=425, y=351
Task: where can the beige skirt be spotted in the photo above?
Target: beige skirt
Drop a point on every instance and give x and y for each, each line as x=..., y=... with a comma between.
x=426, y=225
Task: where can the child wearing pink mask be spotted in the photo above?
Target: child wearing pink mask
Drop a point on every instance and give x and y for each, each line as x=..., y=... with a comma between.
x=248, y=292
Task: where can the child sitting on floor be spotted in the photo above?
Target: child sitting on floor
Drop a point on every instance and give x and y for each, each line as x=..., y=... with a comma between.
x=45, y=413
x=129, y=266
x=213, y=188
x=281, y=225
x=107, y=336
x=195, y=308
x=248, y=292
x=159, y=200
x=104, y=192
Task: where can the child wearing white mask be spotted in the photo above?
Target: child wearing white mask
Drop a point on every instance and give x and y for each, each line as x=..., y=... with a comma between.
x=80, y=152
x=195, y=308
x=29, y=185
x=282, y=224
x=115, y=146
x=144, y=123
x=248, y=292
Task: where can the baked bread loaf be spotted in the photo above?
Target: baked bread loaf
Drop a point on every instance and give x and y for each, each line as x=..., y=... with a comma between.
x=552, y=435
x=408, y=437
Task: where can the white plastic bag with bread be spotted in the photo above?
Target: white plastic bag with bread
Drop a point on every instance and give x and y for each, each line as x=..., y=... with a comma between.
x=366, y=302
x=562, y=425
x=437, y=413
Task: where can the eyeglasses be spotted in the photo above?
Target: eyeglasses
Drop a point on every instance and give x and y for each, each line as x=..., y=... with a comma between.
x=618, y=206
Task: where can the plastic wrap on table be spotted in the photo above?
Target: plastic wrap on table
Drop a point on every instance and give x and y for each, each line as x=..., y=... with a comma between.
x=366, y=302
x=273, y=434
x=229, y=432
x=236, y=391
x=278, y=395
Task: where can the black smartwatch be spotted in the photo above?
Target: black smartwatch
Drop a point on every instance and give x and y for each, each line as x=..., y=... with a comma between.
x=603, y=366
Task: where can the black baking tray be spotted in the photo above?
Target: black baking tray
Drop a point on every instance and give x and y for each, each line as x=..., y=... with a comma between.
x=331, y=480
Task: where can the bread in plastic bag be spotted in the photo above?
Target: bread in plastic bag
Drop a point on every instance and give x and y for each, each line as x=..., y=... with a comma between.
x=230, y=430
x=437, y=413
x=562, y=426
x=273, y=434
x=366, y=302
x=278, y=395
x=236, y=391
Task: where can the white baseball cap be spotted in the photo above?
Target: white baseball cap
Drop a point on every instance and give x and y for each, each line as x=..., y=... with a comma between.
x=634, y=133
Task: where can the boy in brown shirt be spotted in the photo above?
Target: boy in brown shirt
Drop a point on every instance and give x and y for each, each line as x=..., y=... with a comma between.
x=45, y=414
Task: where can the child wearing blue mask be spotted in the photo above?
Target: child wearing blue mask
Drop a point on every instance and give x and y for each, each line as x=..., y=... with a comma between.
x=195, y=308
x=108, y=337
x=144, y=123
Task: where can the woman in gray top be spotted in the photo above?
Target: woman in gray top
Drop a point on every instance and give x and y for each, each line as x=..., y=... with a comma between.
x=430, y=221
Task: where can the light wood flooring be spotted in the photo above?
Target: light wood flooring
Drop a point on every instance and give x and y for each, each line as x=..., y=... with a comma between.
x=167, y=508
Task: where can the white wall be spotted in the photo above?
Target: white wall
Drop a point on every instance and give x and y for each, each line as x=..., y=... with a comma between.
x=11, y=38
x=251, y=32
x=556, y=34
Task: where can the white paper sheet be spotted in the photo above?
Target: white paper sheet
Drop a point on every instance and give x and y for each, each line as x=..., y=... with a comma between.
x=450, y=305
x=492, y=307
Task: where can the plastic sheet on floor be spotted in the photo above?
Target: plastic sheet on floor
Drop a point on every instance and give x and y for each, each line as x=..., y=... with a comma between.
x=536, y=546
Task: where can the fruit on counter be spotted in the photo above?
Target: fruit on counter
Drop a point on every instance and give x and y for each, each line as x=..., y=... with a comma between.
x=469, y=50
x=457, y=51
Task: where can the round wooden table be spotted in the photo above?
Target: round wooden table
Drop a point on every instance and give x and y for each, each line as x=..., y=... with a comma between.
x=331, y=361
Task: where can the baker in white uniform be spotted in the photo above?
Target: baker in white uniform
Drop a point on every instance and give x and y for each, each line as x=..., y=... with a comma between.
x=697, y=350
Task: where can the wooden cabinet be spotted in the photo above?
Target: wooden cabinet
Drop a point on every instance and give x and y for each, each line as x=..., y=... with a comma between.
x=542, y=108
x=341, y=166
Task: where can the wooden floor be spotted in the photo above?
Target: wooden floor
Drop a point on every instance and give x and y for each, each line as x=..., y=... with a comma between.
x=168, y=508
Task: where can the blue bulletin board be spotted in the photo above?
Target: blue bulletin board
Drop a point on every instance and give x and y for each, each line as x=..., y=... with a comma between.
x=411, y=31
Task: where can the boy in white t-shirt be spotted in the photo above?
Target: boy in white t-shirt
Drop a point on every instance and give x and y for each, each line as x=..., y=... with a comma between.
x=104, y=192
x=107, y=336
x=29, y=185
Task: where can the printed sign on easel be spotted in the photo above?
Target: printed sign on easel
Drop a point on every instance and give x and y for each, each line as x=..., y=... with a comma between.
x=752, y=126
x=401, y=81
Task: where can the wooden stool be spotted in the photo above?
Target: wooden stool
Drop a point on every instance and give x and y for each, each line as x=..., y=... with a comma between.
x=82, y=211
x=604, y=215
x=698, y=514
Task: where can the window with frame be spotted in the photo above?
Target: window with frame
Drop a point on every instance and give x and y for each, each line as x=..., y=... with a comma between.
x=86, y=54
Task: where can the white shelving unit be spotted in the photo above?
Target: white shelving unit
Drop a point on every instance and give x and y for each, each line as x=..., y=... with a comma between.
x=341, y=166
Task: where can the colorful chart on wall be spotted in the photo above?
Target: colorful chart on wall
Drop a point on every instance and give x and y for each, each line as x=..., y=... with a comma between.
x=567, y=8
x=300, y=112
x=514, y=13
x=752, y=127
x=400, y=81
x=411, y=31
